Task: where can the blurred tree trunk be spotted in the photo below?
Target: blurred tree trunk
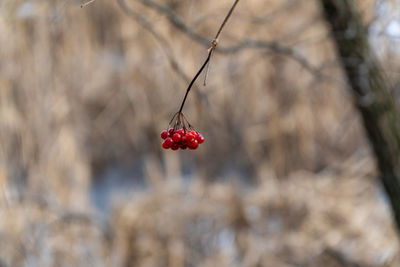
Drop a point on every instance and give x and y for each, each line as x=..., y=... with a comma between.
x=371, y=93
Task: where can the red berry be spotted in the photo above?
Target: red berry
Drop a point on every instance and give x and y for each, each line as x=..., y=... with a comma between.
x=180, y=131
x=176, y=137
x=193, y=145
x=189, y=137
x=182, y=146
x=167, y=143
x=200, y=139
x=184, y=140
x=171, y=131
x=194, y=133
x=164, y=145
x=175, y=146
x=164, y=134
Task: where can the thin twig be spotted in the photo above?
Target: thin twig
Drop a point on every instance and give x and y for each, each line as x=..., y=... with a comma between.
x=87, y=3
x=165, y=46
x=142, y=21
x=214, y=44
x=273, y=46
x=207, y=70
x=226, y=19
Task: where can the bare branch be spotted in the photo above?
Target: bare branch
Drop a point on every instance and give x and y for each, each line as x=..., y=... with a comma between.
x=164, y=44
x=87, y=3
x=142, y=21
x=273, y=46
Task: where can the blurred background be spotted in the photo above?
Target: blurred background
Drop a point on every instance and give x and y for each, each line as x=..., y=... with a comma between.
x=285, y=177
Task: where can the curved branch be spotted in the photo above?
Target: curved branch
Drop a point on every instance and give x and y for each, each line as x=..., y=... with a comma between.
x=142, y=21
x=273, y=46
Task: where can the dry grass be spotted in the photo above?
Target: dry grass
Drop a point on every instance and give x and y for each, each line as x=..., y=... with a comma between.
x=285, y=177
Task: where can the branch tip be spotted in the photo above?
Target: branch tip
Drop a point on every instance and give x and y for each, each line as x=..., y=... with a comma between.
x=87, y=3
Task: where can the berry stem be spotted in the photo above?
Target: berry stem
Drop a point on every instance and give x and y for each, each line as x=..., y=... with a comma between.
x=194, y=79
x=214, y=44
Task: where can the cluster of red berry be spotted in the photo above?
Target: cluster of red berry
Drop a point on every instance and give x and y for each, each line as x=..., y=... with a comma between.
x=181, y=138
